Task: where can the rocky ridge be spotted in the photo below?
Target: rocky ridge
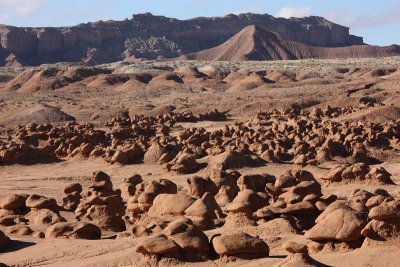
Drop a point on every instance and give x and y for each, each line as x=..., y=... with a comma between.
x=148, y=36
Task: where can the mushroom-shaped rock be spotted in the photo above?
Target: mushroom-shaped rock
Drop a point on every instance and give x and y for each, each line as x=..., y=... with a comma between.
x=298, y=256
x=203, y=211
x=71, y=201
x=358, y=207
x=382, y=230
x=375, y=201
x=247, y=201
x=294, y=247
x=120, y=157
x=334, y=174
x=129, y=184
x=355, y=172
x=170, y=187
x=157, y=245
x=253, y=182
x=185, y=164
x=239, y=244
x=224, y=178
x=360, y=195
x=386, y=211
x=43, y=216
x=170, y=204
x=200, y=208
x=100, y=180
x=301, y=208
x=197, y=186
x=285, y=181
x=232, y=160
x=133, y=180
x=343, y=224
x=265, y=213
x=13, y=201
x=40, y=202
x=73, y=230
x=188, y=236
x=71, y=188
x=19, y=230
x=225, y=195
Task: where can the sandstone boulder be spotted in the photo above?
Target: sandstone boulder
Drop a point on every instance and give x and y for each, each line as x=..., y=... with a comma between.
x=386, y=211
x=43, y=216
x=71, y=188
x=342, y=224
x=188, y=236
x=247, y=201
x=382, y=230
x=71, y=201
x=157, y=245
x=170, y=204
x=74, y=230
x=41, y=202
x=232, y=160
x=19, y=230
x=13, y=201
x=129, y=184
x=239, y=244
x=185, y=164
x=197, y=186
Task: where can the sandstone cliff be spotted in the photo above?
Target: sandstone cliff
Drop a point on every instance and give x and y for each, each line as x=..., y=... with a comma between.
x=148, y=36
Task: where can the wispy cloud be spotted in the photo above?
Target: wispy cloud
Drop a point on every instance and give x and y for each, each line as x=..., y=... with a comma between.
x=291, y=11
x=245, y=10
x=11, y=8
x=342, y=16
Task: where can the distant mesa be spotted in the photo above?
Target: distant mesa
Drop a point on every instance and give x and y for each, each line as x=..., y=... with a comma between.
x=255, y=43
x=155, y=38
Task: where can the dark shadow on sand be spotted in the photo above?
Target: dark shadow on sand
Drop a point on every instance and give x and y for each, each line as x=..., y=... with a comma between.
x=16, y=245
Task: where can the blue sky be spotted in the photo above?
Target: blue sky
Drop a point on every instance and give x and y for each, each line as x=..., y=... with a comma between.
x=377, y=21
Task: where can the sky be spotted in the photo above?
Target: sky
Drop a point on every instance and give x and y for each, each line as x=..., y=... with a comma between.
x=377, y=21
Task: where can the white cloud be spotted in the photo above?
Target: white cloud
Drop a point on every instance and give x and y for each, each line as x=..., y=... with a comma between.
x=243, y=11
x=12, y=8
x=344, y=17
x=290, y=11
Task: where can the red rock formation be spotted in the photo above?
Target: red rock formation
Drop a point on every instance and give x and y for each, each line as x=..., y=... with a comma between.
x=148, y=36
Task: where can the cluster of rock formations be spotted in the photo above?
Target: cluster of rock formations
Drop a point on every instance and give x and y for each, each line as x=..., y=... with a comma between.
x=126, y=141
x=328, y=222
x=148, y=36
x=18, y=212
x=185, y=223
x=174, y=224
x=359, y=172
